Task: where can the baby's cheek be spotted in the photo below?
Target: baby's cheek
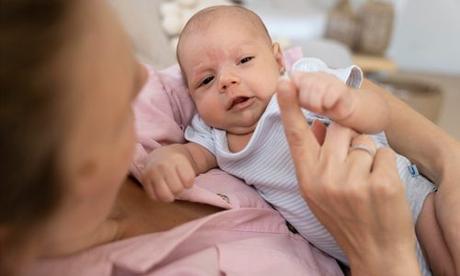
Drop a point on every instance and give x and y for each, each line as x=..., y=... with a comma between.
x=212, y=116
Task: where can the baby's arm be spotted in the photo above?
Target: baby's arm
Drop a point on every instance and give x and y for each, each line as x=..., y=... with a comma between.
x=360, y=109
x=171, y=169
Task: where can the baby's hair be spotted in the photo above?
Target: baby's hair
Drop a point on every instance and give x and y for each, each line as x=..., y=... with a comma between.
x=203, y=18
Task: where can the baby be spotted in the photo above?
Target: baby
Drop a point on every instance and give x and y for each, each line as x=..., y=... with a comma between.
x=232, y=68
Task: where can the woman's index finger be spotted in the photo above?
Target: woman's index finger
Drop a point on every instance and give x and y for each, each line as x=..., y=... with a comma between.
x=302, y=142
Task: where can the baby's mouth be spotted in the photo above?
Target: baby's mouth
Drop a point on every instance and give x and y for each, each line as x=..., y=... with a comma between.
x=238, y=102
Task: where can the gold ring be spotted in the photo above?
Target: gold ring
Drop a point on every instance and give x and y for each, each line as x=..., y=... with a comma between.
x=363, y=147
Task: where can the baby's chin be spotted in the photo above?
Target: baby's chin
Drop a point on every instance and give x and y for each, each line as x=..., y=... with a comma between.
x=240, y=124
x=246, y=127
x=241, y=130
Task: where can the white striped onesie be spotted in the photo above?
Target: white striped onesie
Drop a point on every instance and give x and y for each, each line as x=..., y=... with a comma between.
x=266, y=164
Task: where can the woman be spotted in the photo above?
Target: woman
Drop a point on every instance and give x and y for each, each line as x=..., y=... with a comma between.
x=68, y=79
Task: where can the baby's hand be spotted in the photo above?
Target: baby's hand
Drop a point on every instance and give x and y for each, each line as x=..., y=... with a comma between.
x=168, y=172
x=323, y=93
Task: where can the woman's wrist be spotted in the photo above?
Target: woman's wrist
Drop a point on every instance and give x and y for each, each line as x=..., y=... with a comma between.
x=448, y=162
x=397, y=261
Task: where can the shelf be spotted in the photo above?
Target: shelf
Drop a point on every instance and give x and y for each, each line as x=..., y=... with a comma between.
x=371, y=64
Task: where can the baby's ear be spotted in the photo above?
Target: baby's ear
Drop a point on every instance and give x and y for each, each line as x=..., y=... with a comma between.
x=278, y=54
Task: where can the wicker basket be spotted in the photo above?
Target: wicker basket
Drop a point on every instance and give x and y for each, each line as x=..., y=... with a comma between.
x=376, y=21
x=342, y=24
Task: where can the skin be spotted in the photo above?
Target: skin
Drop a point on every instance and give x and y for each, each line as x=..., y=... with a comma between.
x=223, y=65
x=100, y=145
x=408, y=133
x=438, y=251
x=102, y=70
x=99, y=198
x=325, y=94
x=441, y=255
x=338, y=183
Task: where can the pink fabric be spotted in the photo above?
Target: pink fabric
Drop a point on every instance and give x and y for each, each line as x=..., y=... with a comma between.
x=250, y=238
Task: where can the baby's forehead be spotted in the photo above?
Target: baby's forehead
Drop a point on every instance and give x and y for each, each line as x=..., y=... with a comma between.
x=228, y=16
x=217, y=19
x=227, y=19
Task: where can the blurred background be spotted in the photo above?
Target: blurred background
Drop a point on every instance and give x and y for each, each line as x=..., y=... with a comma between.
x=410, y=46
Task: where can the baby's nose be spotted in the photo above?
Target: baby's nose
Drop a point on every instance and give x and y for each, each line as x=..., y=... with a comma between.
x=226, y=85
x=227, y=80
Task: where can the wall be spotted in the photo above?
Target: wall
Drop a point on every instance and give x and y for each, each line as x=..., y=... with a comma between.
x=427, y=36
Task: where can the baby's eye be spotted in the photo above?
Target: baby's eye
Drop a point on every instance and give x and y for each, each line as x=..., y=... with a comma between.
x=206, y=81
x=246, y=59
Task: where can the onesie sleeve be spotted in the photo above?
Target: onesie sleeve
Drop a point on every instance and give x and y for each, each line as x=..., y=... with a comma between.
x=200, y=133
x=351, y=75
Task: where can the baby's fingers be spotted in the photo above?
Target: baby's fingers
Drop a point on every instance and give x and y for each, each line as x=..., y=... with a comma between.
x=309, y=91
x=173, y=180
x=148, y=182
x=163, y=192
x=186, y=175
x=156, y=186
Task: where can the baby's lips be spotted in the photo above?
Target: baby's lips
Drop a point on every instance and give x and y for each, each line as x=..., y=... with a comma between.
x=236, y=100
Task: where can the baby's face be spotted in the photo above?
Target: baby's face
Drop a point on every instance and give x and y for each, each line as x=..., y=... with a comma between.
x=232, y=71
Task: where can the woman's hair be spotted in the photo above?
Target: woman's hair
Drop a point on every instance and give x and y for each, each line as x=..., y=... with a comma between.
x=31, y=114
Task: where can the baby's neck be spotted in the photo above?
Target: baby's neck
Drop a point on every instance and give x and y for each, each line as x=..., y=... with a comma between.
x=237, y=142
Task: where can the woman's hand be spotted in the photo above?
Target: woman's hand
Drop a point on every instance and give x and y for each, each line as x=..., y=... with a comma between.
x=355, y=192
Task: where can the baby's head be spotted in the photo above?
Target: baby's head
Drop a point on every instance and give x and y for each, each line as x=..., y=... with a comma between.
x=230, y=65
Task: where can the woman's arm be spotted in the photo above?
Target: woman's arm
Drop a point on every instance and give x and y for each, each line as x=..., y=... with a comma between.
x=438, y=157
x=417, y=138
